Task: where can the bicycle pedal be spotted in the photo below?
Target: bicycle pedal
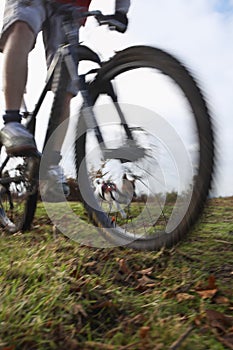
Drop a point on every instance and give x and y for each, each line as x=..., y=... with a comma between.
x=125, y=153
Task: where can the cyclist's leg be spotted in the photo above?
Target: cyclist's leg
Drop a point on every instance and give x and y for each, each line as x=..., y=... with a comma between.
x=20, y=28
x=65, y=113
x=52, y=175
x=53, y=37
x=53, y=183
x=19, y=42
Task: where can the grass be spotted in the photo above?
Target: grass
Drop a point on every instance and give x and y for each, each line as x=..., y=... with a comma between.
x=57, y=294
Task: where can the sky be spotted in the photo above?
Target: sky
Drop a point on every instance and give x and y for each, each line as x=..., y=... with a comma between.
x=198, y=32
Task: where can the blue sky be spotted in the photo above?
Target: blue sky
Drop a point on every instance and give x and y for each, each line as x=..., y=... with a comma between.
x=224, y=6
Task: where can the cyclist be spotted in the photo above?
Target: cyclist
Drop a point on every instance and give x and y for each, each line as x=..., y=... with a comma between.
x=23, y=20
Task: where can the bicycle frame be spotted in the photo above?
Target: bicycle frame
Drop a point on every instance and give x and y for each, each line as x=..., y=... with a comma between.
x=70, y=53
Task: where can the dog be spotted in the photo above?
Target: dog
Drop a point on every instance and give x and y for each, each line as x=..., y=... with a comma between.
x=108, y=191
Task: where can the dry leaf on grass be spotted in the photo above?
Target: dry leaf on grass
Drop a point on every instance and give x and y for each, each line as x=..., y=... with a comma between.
x=184, y=296
x=207, y=294
x=220, y=299
x=123, y=266
x=144, y=331
x=222, y=324
x=209, y=290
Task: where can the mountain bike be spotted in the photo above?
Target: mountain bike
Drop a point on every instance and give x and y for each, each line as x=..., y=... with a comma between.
x=143, y=125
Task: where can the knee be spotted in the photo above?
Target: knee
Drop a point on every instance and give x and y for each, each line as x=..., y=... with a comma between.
x=21, y=28
x=20, y=32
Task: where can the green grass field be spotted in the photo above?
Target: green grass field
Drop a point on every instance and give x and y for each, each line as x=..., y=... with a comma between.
x=57, y=294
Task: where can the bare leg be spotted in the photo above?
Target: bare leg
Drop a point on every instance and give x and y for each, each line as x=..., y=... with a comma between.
x=20, y=40
x=15, y=63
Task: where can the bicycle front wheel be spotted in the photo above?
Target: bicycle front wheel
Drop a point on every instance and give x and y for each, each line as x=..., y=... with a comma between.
x=161, y=185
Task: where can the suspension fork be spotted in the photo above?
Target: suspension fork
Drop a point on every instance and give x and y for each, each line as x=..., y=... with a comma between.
x=88, y=113
x=109, y=89
x=129, y=151
x=90, y=119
